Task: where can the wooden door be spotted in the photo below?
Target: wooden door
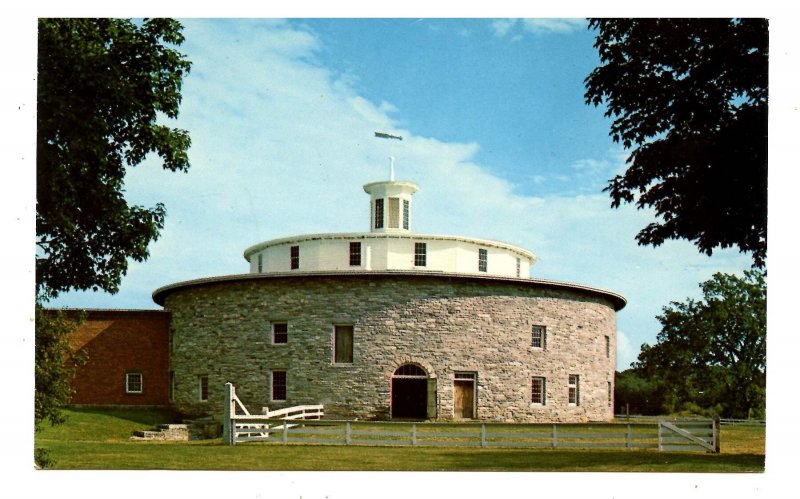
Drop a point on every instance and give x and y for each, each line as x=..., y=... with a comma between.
x=464, y=393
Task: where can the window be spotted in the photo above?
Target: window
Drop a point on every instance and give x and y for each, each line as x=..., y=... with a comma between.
x=538, y=385
x=420, y=254
x=482, y=257
x=355, y=254
x=379, y=213
x=260, y=263
x=280, y=333
x=608, y=347
x=295, y=254
x=406, y=213
x=133, y=383
x=518, y=267
x=394, y=213
x=343, y=344
x=278, y=385
x=574, y=389
x=203, y=388
x=539, y=337
x=610, y=394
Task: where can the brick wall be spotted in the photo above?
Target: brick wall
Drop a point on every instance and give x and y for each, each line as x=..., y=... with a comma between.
x=117, y=342
x=446, y=325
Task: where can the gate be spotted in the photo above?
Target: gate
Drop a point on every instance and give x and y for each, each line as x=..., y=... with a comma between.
x=697, y=435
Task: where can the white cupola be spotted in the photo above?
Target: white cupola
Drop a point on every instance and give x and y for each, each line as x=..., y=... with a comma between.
x=390, y=206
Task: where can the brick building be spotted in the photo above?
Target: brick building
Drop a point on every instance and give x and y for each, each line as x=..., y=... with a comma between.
x=127, y=358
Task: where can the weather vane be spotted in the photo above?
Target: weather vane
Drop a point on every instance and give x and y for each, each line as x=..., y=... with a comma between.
x=382, y=135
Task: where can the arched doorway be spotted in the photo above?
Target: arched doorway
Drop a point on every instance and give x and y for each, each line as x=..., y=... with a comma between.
x=410, y=392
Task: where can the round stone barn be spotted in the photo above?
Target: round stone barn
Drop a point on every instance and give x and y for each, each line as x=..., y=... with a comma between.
x=393, y=324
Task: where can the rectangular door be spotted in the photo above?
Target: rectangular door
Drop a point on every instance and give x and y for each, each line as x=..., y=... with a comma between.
x=464, y=393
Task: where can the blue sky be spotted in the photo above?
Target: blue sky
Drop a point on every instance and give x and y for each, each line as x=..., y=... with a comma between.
x=496, y=133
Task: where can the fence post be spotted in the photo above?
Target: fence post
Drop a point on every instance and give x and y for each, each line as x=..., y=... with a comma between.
x=555, y=436
x=660, y=448
x=228, y=426
x=483, y=434
x=413, y=435
x=285, y=432
x=715, y=423
x=629, y=438
x=347, y=433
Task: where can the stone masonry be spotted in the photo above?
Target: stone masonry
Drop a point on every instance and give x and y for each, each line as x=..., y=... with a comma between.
x=221, y=329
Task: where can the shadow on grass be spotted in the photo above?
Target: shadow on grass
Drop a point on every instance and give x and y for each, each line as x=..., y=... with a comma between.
x=144, y=416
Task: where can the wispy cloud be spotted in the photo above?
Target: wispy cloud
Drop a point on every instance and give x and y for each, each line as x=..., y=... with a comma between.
x=515, y=27
x=560, y=26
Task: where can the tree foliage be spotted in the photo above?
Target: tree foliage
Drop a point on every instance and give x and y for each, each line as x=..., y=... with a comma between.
x=55, y=364
x=713, y=352
x=103, y=85
x=689, y=101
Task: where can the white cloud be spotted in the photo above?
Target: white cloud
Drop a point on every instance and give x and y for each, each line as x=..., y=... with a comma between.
x=504, y=27
x=560, y=26
x=625, y=351
x=501, y=27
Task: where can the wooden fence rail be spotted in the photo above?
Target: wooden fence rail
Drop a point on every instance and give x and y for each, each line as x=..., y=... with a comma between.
x=241, y=426
x=695, y=436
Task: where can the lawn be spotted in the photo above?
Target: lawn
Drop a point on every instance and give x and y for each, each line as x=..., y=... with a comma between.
x=93, y=439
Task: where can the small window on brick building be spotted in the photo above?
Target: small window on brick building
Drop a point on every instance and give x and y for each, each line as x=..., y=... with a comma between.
x=539, y=337
x=538, y=386
x=574, y=389
x=610, y=395
x=133, y=383
x=294, y=253
x=280, y=333
x=482, y=259
x=406, y=215
x=260, y=263
x=519, y=265
x=343, y=344
x=278, y=385
x=608, y=347
x=203, y=388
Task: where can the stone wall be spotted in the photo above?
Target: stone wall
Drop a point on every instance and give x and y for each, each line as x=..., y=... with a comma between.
x=444, y=324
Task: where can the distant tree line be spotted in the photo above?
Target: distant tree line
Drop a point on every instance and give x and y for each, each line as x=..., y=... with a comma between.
x=710, y=357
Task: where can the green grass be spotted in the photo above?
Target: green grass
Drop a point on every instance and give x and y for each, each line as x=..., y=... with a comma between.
x=93, y=439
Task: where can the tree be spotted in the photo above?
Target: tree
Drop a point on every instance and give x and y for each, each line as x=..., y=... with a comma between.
x=689, y=101
x=103, y=84
x=713, y=352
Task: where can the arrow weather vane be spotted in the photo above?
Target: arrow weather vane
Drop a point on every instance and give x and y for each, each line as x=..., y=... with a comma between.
x=382, y=135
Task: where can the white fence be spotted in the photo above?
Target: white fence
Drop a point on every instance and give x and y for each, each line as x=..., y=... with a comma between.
x=308, y=427
x=241, y=426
